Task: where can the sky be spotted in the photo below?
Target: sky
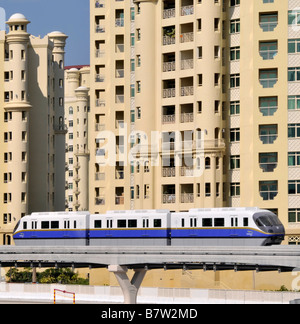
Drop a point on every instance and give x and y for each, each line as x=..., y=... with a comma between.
x=68, y=16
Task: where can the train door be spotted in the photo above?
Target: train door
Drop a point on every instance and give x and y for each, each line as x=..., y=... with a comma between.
x=193, y=226
x=109, y=226
x=145, y=231
x=34, y=227
x=66, y=230
x=234, y=225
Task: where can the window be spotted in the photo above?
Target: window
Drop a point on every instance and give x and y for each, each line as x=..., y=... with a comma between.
x=293, y=130
x=235, y=162
x=156, y=223
x=121, y=223
x=234, y=80
x=294, y=187
x=293, y=158
x=54, y=224
x=294, y=74
x=294, y=17
x=268, y=21
x=268, y=105
x=97, y=223
x=294, y=102
x=294, y=215
x=294, y=46
x=207, y=222
x=235, y=26
x=268, y=78
x=234, y=53
x=44, y=225
x=235, y=189
x=268, y=50
x=234, y=135
x=268, y=189
x=268, y=161
x=268, y=133
x=234, y=108
x=132, y=223
x=219, y=222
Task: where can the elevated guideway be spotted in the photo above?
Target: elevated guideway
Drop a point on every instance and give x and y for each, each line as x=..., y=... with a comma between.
x=141, y=259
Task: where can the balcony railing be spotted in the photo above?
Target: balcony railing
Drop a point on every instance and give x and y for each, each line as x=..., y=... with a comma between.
x=168, y=198
x=168, y=172
x=187, y=91
x=187, y=198
x=169, y=13
x=187, y=37
x=187, y=10
x=169, y=66
x=169, y=93
x=168, y=119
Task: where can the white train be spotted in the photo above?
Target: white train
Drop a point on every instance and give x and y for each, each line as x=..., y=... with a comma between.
x=197, y=227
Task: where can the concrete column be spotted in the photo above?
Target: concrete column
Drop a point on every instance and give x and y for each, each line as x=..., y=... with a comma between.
x=130, y=288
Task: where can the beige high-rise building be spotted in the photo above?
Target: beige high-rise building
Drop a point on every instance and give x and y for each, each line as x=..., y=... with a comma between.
x=77, y=82
x=32, y=141
x=207, y=95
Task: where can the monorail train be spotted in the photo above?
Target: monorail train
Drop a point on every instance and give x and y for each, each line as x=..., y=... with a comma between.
x=197, y=227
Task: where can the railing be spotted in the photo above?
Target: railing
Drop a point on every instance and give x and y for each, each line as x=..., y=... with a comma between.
x=168, y=13
x=187, y=171
x=187, y=91
x=168, y=172
x=168, y=198
x=167, y=40
x=187, y=198
x=187, y=117
x=187, y=64
x=187, y=10
x=187, y=37
x=100, y=201
x=169, y=93
x=169, y=66
x=168, y=119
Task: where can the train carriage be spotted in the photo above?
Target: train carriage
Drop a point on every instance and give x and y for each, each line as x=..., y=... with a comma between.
x=139, y=227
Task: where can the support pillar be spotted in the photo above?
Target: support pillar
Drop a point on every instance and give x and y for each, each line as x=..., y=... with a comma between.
x=130, y=288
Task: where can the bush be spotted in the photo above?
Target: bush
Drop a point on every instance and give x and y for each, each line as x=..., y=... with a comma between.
x=64, y=276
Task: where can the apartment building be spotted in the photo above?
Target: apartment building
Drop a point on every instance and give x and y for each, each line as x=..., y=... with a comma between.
x=203, y=95
x=32, y=140
x=77, y=80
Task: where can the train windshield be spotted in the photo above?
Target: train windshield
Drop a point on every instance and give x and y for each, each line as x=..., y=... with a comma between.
x=268, y=220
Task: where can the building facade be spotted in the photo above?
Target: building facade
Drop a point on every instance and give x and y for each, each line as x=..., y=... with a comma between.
x=32, y=142
x=204, y=98
x=77, y=80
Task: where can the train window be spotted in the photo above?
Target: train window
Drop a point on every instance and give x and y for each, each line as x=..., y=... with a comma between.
x=219, y=222
x=75, y=224
x=182, y=222
x=24, y=225
x=132, y=223
x=97, y=223
x=121, y=223
x=245, y=222
x=34, y=224
x=45, y=225
x=207, y=222
x=157, y=223
x=54, y=224
x=109, y=223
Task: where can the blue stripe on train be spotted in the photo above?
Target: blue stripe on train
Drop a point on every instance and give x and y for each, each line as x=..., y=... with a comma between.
x=141, y=233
